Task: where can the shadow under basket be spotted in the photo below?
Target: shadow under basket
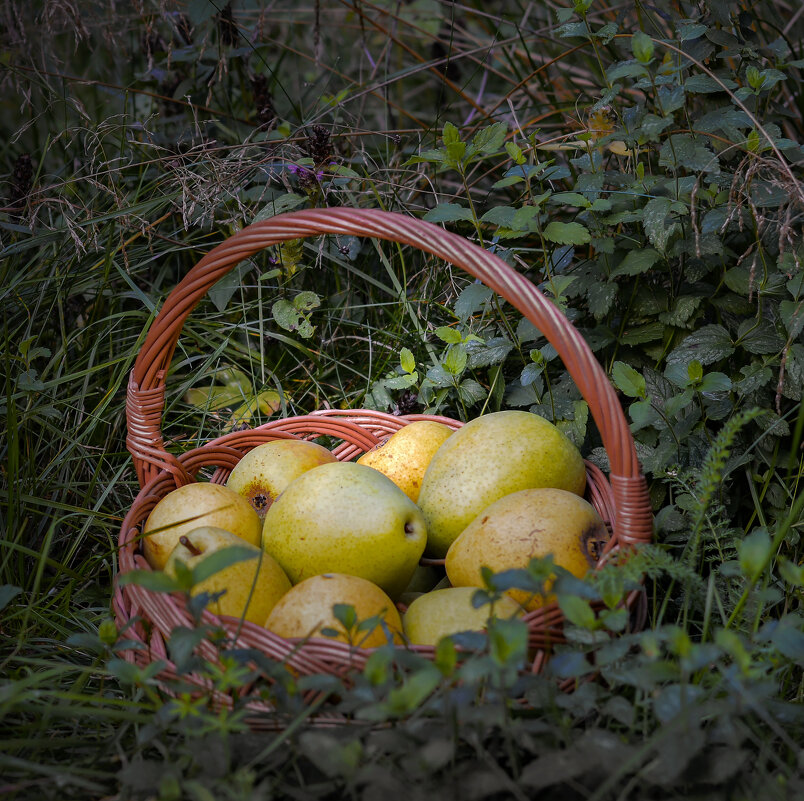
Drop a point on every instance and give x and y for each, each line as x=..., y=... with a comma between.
x=149, y=617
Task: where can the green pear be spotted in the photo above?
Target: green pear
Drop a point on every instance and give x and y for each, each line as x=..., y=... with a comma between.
x=191, y=506
x=526, y=524
x=405, y=455
x=250, y=588
x=490, y=457
x=441, y=613
x=308, y=608
x=346, y=518
x=265, y=471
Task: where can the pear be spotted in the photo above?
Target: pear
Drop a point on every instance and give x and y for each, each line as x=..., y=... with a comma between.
x=441, y=613
x=523, y=525
x=308, y=608
x=346, y=518
x=264, y=472
x=405, y=455
x=250, y=588
x=191, y=506
x=493, y=456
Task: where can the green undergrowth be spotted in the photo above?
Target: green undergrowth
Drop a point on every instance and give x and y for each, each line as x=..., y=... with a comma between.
x=641, y=164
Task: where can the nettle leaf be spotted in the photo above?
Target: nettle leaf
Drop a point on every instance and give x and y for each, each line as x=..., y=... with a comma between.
x=600, y=296
x=567, y=233
x=455, y=360
x=490, y=139
x=471, y=391
x=472, y=300
x=636, y=262
x=709, y=344
x=448, y=212
x=278, y=205
x=759, y=337
x=792, y=314
x=500, y=215
x=703, y=84
x=628, y=380
x=654, y=221
x=684, y=152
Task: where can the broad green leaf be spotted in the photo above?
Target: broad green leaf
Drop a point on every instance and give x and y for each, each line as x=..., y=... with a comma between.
x=471, y=300
x=708, y=344
x=567, y=233
x=759, y=337
x=346, y=615
x=491, y=138
x=407, y=361
x=448, y=212
x=654, y=221
x=628, y=380
x=715, y=382
x=753, y=552
x=455, y=360
x=449, y=335
x=500, y=215
x=305, y=301
x=792, y=314
x=278, y=205
x=577, y=611
x=642, y=47
x=7, y=594
x=792, y=573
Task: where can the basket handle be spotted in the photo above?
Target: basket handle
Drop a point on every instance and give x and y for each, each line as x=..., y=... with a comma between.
x=146, y=389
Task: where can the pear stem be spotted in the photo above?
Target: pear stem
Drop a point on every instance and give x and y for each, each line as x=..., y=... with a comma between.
x=189, y=546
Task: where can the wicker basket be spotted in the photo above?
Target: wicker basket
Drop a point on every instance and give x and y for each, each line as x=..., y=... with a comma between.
x=622, y=500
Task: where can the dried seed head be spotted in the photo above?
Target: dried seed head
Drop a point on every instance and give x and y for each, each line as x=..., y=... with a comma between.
x=319, y=145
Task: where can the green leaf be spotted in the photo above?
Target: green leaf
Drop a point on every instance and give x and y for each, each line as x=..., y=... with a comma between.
x=642, y=47
x=753, y=552
x=305, y=301
x=417, y=687
x=792, y=314
x=200, y=11
x=449, y=335
x=759, y=337
x=491, y=138
x=448, y=212
x=500, y=215
x=708, y=344
x=636, y=262
x=346, y=615
x=715, y=382
x=407, y=361
x=577, y=611
x=567, y=233
x=472, y=300
x=455, y=360
x=628, y=380
x=221, y=559
x=153, y=580
x=7, y=594
x=278, y=205
x=28, y=381
x=792, y=573
x=654, y=221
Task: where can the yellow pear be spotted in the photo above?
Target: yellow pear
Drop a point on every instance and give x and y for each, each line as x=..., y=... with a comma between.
x=493, y=456
x=191, y=506
x=523, y=525
x=265, y=471
x=404, y=456
x=308, y=608
x=346, y=518
x=441, y=613
x=250, y=588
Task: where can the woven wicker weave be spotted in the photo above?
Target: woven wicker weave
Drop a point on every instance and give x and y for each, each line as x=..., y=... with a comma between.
x=622, y=500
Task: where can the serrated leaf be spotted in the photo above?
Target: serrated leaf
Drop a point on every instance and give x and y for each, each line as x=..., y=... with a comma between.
x=600, y=296
x=448, y=212
x=708, y=344
x=448, y=335
x=500, y=215
x=654, y=221
x=471, y=392
x=471, y=300
x=491, y=138
x=759, y=337
x=567, y=233
x=753, y=552
x=28, y=381
x=792, y=314
x=628, y=380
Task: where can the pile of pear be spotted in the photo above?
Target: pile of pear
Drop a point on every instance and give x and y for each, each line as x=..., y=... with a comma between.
x=326, y=534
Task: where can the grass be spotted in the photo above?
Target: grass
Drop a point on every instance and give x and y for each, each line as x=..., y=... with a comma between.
x=156, y=131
